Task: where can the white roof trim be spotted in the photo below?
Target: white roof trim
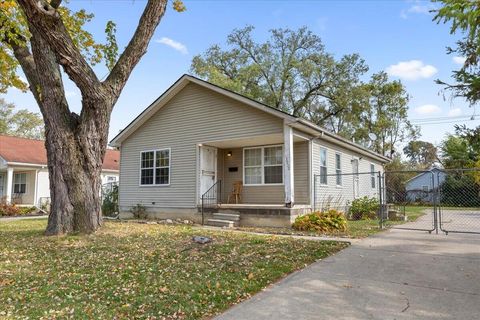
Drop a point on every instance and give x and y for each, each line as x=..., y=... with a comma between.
x=185, y=79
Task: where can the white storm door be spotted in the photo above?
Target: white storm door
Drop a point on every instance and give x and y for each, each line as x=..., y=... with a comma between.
x=208, y=168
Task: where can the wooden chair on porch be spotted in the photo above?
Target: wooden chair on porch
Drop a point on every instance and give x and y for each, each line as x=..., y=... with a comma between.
x=236, y=193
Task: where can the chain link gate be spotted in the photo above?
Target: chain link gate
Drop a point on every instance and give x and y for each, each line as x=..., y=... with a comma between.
x=459, y=200
x=432, y=200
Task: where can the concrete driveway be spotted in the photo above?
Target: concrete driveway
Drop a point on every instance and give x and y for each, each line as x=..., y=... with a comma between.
x=398, y=274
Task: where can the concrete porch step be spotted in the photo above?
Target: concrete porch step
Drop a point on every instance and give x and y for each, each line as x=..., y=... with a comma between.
x=226, y=216
x=221, y=223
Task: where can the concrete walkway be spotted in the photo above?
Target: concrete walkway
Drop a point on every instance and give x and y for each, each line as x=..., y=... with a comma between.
x=397, y=274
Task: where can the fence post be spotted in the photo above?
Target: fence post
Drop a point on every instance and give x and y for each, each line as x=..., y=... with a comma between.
x=382, y=207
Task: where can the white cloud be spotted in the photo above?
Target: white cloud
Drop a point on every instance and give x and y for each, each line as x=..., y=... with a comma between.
x=455, y=112
x=180, y=47
x=411, y=70
x=427, y=109
x=419, y=7
x=459, y=60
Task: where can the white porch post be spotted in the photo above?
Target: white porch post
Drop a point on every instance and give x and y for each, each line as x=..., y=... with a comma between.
x=9, y=184
x=288, y=164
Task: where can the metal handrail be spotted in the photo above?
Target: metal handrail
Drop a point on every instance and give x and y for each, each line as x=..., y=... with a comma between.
x=211, y=196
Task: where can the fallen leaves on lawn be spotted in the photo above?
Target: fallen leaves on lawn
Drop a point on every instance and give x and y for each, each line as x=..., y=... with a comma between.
x=132, y=271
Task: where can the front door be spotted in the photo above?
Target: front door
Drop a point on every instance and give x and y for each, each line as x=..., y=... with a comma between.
x=356, y=178
x=208, y=168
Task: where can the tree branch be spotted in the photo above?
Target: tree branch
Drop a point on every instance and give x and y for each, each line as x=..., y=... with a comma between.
x=55, y=3
x=45, y=18
x=137, y=46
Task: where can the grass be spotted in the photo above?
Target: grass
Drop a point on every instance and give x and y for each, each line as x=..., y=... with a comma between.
x=355, y=229
x=133, y=271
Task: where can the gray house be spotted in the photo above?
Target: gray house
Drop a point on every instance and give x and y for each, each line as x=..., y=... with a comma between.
x=250, y=163
x=420, y=188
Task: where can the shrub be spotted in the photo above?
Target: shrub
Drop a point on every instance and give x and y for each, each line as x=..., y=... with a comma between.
x=328, y=221
x=364, y=208
x=110, y=202
x=9, y=209
x=26, y=210
x=139, y=211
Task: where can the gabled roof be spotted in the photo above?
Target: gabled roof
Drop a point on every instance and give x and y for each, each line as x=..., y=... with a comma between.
x=296, y=122
x=434, y=169
x=16, y=150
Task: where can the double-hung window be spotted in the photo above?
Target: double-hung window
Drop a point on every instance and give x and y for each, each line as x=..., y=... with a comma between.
x=155, y=167
x=372, y=176
x=338, y=168
x=323, y=166
x=20, y=183
x=263, y=165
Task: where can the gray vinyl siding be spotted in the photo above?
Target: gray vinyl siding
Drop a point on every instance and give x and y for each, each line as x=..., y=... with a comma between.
x=194, y=115
x=333, y=196
x=300, y=173
x=431, y=179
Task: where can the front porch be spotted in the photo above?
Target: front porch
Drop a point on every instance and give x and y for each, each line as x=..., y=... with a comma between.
x=265, y=180
x=19, y=185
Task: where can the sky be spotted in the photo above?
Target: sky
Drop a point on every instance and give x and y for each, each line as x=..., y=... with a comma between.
x=396, y=36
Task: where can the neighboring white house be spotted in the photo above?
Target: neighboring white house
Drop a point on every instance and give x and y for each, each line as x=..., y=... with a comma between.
x=198, y=137
x=24, y=174
x=420, y=188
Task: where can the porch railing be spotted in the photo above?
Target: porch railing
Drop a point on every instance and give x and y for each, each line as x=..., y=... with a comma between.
x=211, y=198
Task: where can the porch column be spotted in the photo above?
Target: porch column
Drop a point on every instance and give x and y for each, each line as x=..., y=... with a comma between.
x=288, y=165
x=9, y=184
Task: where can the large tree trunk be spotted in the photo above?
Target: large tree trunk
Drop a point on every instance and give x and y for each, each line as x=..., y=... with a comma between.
x=75, y=158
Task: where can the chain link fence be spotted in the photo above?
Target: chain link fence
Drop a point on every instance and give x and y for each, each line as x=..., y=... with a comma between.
x=426, y=200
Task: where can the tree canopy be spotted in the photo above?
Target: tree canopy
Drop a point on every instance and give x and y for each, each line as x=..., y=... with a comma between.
x=464, y=16
x=293, y=72
x=20, y=123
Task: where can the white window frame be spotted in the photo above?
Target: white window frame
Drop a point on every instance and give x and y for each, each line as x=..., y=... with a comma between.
x=326, y=166
x=427, y=187
x=373, y=181
x=338, y=169
x=262, y=165
x=155, y=168
x=15, y=183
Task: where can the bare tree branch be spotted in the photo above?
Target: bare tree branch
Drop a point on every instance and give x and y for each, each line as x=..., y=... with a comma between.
x=137, y=46
x=47, y=20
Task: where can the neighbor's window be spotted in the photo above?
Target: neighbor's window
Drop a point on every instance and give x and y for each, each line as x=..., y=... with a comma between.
x=155, y=167
x=263, y=165
x=323, y=166
x=338, y=168
x=372, y=175
x=425, y=188
x=20, y=183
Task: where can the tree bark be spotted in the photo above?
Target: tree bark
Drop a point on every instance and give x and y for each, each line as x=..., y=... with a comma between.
x=75, y=165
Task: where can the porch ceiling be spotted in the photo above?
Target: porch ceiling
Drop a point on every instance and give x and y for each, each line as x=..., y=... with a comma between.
x=276, y=138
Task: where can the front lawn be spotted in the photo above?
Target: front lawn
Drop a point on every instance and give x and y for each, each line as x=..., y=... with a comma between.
x=128, y=270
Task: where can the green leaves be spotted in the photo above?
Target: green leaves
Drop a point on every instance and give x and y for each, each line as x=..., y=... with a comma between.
x=21, y=123
x=464, y=16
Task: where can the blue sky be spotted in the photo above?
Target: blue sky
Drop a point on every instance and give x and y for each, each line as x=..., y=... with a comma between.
x=396, y=36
